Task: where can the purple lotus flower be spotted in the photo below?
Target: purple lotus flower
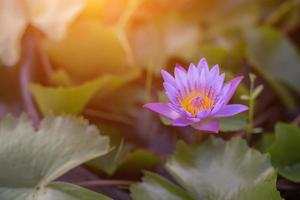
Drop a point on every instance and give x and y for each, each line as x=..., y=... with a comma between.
x=198, y=97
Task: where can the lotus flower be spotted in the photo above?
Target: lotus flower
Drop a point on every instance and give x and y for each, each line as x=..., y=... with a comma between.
x=198, y=97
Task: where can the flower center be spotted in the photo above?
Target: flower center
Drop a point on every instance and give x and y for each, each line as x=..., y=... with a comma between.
x=197, y=102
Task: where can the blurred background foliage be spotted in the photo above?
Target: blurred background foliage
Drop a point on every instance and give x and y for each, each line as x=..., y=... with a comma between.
x=108, y=62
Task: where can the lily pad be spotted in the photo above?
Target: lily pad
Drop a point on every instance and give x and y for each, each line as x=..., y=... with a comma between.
x=273, y=54
x=73, y=99
x=59, y=100
x=215, y=170
x=285, y=151
x=31, y=160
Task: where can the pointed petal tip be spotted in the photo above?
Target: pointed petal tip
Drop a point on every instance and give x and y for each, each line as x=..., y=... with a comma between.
x=167, y=77
x=230, y=110
x=231, y=87
x=146, y=105
x=192, y=65
x=152, y=106
x=238, y=78
x=216, y=66
x=202, y=63
x=245, y=108
x=202, y=60
x=179, y=67
x=163, y=72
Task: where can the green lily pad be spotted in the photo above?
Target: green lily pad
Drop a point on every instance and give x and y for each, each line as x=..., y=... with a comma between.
x=214, y=170
x=157, y=187
x=285, y=151
x=31, y=160
x=275, y=57
x=265, y=142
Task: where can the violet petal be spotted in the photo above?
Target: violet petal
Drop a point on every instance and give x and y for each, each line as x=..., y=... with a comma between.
x=231, y=109
x=233, y=84
x=168, y=77
x=183, y=121
x=163, y=109
x=212, y=125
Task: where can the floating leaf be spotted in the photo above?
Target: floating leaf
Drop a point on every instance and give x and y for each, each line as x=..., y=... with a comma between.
x=215, y=170
x=60, y=78
x=265, y=142
x=274, y=55
x=73, y=99
x=31, y=160
x=158, y=188
x=109, y=162
x=285, y=151
x=66, y=191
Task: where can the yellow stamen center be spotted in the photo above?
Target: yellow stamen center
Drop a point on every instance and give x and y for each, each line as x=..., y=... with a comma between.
x=196, y=102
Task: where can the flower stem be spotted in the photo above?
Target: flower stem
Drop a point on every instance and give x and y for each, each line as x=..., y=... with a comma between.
x=251, y=109
x=26, y=73
x=251, y=119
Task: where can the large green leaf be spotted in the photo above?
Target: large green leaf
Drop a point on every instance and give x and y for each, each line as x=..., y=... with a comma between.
x=274, y=55
x=265, y=142
x=215, y=170
x=31, y=160
x=73, y=99
x=285, y=151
